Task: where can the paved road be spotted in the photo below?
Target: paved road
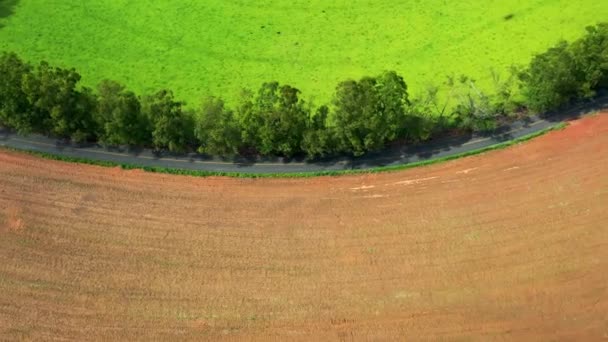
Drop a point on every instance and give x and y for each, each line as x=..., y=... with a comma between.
x=389, y=157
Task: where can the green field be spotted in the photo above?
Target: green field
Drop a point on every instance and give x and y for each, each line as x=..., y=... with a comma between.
x=217, y=47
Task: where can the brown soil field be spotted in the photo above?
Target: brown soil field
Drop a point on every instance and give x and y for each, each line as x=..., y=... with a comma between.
x=511, y=244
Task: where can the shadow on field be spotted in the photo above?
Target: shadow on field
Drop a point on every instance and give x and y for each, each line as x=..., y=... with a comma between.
x=7, y=8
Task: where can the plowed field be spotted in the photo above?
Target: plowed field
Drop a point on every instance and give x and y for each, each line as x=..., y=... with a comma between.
x=509, y=244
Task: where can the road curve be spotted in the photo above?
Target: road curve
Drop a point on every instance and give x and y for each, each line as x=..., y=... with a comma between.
x=390, y=157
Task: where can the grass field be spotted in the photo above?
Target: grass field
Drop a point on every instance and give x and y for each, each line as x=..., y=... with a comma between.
x=217, y=46
x=508, y=245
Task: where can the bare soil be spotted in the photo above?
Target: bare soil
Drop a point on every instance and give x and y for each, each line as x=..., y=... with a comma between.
x=511, y=244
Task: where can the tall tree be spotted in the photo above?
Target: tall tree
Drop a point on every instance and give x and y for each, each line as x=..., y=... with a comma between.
x=393, y=101
x=119, y=116
x=550, y=80
x=318, y=139
x=274, y=122
x=14, y=107
x=56, y=105
x=370, y=112
x=249, y=121
x=590, y=55
x=172, y=128
x=217, y=130
x=355, y=107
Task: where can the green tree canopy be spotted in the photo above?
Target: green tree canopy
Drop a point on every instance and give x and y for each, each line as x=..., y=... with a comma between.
x=217, y=129
x=590, y=55
x=172, y=128
x=318, y=139
x=370, y=112
x=56, y=105
x=274, y=122
x=14, y=107
x=550, y=81
x=119, y=116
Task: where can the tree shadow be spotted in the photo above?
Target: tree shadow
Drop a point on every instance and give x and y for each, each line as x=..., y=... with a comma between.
x=7, y=8
x=4, y=133
x=576, y=110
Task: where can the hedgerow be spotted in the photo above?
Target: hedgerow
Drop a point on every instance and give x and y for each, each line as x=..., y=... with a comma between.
x=365, y=114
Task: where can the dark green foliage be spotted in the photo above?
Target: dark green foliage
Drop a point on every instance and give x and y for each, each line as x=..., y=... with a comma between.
x=393, y=102
x=365, y=115
x=172, y=128
x=275, y=121
x=249, y=122
x=550, y=81
x=14, y=107
x=217, y=129
x=354, y=103
x=119, y=117
x=56, y=105
x=85, y=106
x=568, y=72
x=370, y=112
x=590, y=55
x=318, y=140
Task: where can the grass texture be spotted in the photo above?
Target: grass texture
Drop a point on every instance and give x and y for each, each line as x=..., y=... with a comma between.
x=217, y=47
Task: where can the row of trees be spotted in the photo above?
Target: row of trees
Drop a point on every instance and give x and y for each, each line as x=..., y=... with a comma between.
x=364, y=115
x=568, y=71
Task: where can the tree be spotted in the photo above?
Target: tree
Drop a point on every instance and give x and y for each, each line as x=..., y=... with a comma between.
x=119, y=116
x=56, y=106
x=85, y=128
x=172, y=128
x=274, y=122
x=370, y=112
x=249, y=121
x=394, y=98
x=14, y=107
x=355, y=106
x=318, y=139
x=550, y=80
x=590, y=55
x=217, y=130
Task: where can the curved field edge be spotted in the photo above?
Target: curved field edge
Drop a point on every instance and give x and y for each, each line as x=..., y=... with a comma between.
x=320, y=43
x=198, y=173
x=509, y=244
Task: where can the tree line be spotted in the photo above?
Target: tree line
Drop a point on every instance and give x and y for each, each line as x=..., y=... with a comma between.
x=364, y=115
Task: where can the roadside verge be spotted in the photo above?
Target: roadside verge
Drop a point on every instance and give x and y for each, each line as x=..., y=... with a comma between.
x=388, y=160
